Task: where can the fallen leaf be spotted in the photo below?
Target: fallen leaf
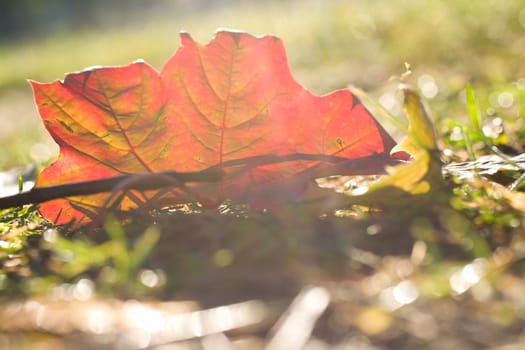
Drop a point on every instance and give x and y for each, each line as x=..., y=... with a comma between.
x=424, y=172
x=231, y=104
x=415, y=183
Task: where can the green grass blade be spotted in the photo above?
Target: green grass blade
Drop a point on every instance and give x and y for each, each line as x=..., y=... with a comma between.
x=143, y=246
x=473, y=109
x=20, y=182
x=120, y=251
x=379, y=111
x=468, y=143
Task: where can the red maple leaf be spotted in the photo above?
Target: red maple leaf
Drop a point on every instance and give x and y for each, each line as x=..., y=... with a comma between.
x=232, y=104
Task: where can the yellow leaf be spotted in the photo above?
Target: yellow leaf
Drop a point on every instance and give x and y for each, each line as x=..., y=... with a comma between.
x=421, y=135
x=424, y=171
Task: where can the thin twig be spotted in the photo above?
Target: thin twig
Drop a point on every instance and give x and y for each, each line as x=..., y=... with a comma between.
x=43, y=194
x=341, y=166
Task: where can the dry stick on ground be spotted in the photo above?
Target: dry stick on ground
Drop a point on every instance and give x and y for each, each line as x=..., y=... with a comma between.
x=43, y=194
x=341, y=166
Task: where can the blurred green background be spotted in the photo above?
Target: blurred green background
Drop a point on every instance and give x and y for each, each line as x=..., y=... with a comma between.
x=331, y=44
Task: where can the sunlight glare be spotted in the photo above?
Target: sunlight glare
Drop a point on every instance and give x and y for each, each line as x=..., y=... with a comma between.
x=196, y=324
x=145, y=317
x=296, y=327
x=404, y=293
x=456, y=134
x=83, y=289
x=493, y=129
x=470, y=274
x=373, y=229
x=505, y=99
x=389, y=101
x=428, y=86
x=99, y=321
x=149, y=278
x=457, y=283
x=473, y=272
x=50, y=235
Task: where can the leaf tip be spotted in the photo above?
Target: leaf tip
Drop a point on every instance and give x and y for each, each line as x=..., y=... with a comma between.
x=185, y=37
x=421, y=133
x=235, y=34
x=229, y=31
x=33, y=83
